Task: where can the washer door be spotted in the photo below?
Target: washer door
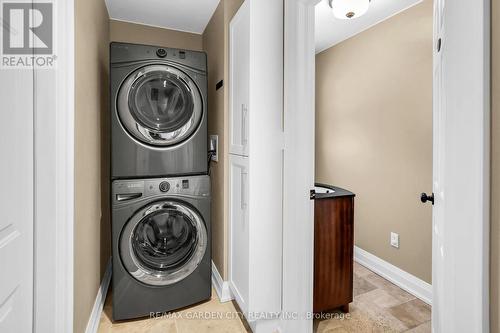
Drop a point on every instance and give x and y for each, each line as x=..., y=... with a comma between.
x=159, y=105
x=163, y=243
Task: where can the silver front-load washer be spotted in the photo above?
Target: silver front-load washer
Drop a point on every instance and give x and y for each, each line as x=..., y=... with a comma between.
x=158, y=111
x=161, y=244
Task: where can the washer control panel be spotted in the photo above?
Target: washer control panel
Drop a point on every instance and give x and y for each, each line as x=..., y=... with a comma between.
x=124, y=191
x=164, y=186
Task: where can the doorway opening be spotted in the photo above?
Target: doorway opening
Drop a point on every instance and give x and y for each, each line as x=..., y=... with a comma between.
x=373, y=130
x=460, y=162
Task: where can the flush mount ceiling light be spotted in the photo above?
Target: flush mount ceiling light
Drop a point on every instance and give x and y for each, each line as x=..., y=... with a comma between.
x=348, y=9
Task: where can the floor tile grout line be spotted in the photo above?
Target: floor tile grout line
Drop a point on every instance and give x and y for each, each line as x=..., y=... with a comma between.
x=425, y=322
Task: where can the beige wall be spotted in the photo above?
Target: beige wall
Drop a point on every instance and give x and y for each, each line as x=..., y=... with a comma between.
x=143, y=34
x=213, y=44
x=216, y=44
x=92, y=225
x=495, y=167
x=374, y=133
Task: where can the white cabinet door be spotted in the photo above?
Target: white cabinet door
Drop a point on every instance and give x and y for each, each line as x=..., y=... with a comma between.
x=239, y=79
x=16, y=201
x=239, y=232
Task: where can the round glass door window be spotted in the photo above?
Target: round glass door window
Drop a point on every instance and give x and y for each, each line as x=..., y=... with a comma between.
x=159, y=105
x=163, y=243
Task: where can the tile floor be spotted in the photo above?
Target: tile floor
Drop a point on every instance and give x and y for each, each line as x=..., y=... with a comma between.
x=378, y=307
x=185, y=321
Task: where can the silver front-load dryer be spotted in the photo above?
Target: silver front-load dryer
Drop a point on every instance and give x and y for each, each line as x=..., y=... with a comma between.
x=158, y=111
x=161, y=244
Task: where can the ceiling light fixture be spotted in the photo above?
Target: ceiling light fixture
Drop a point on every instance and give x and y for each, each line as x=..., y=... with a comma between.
x=348, y=9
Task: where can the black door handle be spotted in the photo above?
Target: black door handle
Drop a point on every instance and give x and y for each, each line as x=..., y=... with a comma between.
x=424, y=198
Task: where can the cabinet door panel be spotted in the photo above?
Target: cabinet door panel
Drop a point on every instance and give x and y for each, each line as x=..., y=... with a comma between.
x=333, y=253
x=239, y=70
x=239, y=233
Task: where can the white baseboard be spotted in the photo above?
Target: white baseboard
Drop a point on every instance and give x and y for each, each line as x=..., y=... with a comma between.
x=221, y=287
x=402, y=279
x=95, y=316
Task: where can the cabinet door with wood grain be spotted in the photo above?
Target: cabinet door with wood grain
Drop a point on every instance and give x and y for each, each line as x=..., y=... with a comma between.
x=333, y=253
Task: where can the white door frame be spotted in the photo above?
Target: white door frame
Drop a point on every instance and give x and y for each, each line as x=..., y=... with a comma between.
x=298, y=178
x=461, y=163
x=54, y=181
x=465, y=89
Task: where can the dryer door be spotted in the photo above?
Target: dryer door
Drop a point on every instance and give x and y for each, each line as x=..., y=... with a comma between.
x=163, y=243
x=159, y=105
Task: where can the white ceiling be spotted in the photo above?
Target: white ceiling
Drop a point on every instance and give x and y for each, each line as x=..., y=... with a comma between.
x=183, y=15
x=331, y=31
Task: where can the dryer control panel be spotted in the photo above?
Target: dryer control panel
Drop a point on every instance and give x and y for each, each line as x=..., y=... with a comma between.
x=127, y=52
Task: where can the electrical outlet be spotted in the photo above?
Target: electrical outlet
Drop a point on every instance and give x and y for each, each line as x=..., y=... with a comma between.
x=395, y=240
x=214, y=146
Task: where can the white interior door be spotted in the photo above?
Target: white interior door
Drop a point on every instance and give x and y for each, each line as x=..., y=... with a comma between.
x=461, y=167
x=16, y=201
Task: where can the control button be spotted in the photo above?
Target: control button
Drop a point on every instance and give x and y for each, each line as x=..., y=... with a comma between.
x=164, y=186
x=162, y=53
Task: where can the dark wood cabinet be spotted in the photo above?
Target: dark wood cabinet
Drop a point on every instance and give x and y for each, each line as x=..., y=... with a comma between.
x=333, y=249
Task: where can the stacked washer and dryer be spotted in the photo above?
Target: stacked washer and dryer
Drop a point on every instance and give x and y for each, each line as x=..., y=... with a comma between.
x=160, y=186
